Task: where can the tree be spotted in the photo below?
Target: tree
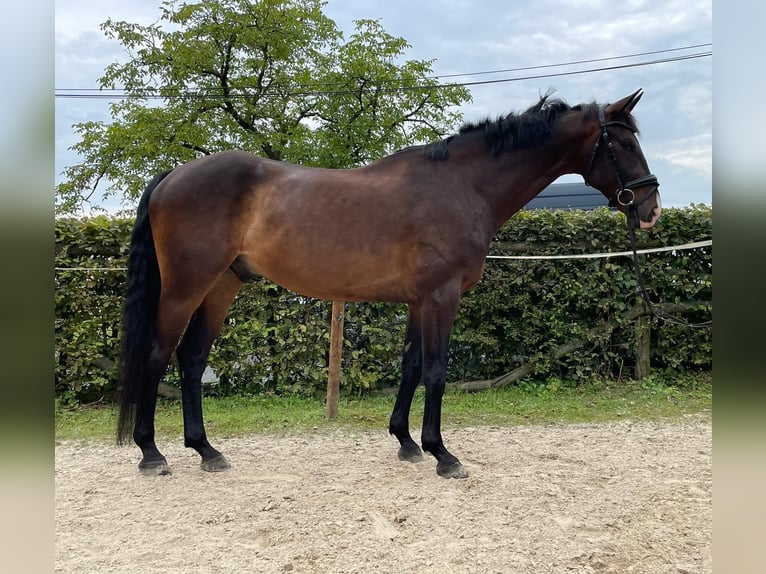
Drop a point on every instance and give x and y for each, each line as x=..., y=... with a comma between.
x=274, y=77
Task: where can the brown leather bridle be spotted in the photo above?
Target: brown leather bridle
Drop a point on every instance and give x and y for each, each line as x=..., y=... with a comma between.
x=624, y=194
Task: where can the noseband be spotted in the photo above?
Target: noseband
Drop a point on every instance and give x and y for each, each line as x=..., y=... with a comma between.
x=624, y=195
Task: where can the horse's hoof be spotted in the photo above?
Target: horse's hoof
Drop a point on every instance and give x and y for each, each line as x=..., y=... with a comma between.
x=453, y=470
x=411, y=454
x=215, y=464
x=157, y=467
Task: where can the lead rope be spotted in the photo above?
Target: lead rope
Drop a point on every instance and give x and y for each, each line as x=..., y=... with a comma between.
x=667, y=317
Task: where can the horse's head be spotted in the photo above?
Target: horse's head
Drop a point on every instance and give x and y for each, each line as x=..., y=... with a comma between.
x=617, y=165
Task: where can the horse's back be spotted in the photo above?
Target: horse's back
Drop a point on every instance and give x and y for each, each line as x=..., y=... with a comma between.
x=366, y=234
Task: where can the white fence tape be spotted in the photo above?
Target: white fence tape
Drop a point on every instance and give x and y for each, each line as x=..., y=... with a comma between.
x=694, y=245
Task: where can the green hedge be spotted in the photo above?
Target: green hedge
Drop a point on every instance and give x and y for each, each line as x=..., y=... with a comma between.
x=277, y=342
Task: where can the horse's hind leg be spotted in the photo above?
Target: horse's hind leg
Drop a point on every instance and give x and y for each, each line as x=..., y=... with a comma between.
x=192, y=353
x=412, y=370
x=171, y=320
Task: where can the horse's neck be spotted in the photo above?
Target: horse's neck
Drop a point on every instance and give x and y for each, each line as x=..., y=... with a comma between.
x=515, y=178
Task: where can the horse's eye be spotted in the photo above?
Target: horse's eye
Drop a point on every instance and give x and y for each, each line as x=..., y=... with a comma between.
x=628, y=145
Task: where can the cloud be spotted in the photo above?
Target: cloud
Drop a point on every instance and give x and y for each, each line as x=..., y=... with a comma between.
x=694, y=153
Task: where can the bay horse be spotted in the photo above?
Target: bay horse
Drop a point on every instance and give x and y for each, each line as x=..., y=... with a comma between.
x=413, y=227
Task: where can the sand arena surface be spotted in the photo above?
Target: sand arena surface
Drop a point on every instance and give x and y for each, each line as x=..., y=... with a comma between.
x=607, y=498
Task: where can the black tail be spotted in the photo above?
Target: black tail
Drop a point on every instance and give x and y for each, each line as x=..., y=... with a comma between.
x=140, y=314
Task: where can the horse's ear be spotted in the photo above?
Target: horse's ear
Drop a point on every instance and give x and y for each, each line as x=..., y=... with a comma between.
x=625, y=105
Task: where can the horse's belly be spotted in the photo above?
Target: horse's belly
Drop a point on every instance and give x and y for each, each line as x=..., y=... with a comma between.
x=336, y=278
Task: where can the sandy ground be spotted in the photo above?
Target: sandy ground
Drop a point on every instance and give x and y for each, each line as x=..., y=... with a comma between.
x=607, y=498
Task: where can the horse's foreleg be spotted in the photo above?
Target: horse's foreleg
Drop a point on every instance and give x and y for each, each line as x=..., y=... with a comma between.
x=412, y=371
x=193, y=352
x=438, y=314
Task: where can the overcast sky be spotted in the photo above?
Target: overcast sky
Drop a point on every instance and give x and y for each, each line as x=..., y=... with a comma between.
x=469, y=36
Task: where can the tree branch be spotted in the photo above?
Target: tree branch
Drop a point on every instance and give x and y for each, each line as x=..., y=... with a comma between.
x=562, y=350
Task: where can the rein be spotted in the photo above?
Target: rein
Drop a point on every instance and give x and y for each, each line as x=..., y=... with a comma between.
x=627, y=198
x=667, y=317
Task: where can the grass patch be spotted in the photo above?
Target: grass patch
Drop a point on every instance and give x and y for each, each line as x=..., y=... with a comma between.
x=554, y=402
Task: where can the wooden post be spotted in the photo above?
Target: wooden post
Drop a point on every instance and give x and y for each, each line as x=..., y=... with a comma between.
x=336, y=353
x=643, y=346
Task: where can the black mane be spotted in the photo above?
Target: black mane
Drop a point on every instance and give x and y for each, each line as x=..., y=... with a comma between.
x=526, y=130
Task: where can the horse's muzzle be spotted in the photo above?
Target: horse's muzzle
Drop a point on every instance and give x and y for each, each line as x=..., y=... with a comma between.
x=648, y=220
